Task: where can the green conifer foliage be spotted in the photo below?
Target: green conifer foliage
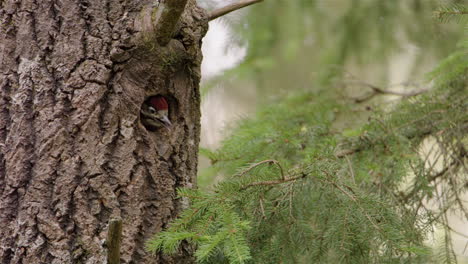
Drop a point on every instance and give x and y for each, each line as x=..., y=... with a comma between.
x=302, y=186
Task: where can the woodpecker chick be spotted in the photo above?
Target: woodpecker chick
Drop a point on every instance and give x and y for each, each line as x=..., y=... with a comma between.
x=154, y=113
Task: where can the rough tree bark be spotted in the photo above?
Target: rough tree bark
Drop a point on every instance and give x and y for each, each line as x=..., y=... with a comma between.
x=73, y=152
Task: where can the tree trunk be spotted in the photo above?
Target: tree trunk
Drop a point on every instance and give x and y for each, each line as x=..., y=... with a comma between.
x=73, y=151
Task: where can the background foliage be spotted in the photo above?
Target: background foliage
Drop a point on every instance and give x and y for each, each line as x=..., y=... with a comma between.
x=333, y=169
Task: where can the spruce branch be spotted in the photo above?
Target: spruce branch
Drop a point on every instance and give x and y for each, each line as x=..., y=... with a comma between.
x=453, y=166
x=358, y=146
x=232, y=7
x=453, y=11
x=461, y=204
x=167, y=15
x=380, y=91
x=440, y=13
x=353, y=198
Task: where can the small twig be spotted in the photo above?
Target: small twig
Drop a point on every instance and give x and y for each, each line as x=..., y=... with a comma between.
x=229, y=8
x=423, y=131
x=291, y=191
x=273, y=182
x=377, y=90
x=441, y=14
x=351, y=168
x=263, y=162
x=114, y=235
x=457, y=197
x=453, y=12
x=262, y=209
x=386, y=91
x=344, y=232
x=457, y=232
x=430, y=178
x=281, y=169
x=345, y=152
x=354, y=199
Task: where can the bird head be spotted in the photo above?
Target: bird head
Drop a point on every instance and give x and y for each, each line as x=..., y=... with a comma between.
x=155, y=112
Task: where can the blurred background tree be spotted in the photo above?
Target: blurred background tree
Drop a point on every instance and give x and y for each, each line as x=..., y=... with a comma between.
x=357, y=152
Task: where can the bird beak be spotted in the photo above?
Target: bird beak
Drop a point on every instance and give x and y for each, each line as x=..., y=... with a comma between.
x=166, y=122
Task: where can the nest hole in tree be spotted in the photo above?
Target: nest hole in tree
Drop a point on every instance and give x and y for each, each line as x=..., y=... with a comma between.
x=152, y=111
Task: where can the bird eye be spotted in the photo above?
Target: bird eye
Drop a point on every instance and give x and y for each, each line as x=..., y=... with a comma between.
x=152, y=110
